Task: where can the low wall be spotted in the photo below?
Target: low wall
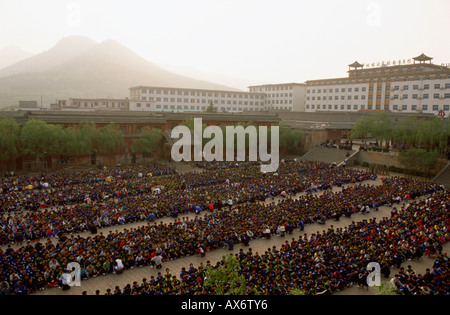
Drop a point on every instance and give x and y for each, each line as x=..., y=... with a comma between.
x=380, y=158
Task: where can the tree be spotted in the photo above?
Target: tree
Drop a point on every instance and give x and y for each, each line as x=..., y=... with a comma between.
x=381, y=128
x=85, y=138
x=405, y=133
x=110, y=139
x=148, y=141
x=227, y=279
x=39, y=139
x=362, y=129
x=9, y=136
x=211, y=108
x=431, y=135
x=418, y=160
x=290, y=139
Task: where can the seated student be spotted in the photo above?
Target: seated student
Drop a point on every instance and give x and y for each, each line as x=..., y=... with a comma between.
x=118, y=266
x=281, y=230
x=267, y=233
x=156, y=262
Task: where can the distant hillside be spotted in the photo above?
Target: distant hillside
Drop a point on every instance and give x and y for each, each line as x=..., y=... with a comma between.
x=65, y=50
x=79, y=67
x=11, y=55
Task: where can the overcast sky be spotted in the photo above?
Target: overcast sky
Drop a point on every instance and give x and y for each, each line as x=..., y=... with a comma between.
x=265, y=40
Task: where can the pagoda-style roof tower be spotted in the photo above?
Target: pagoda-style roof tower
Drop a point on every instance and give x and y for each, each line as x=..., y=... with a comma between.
x=422, y=59
x=356, y=65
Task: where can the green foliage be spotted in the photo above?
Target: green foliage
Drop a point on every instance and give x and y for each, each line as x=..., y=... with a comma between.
x=385, y=289
x=9, y=135
x=411, y=132
x=418, y=160
x=211, y=108
x=109, y=139
x=148, y=141
x=227, y=279
x=362, y=129
x=290, y=139
x=39, y=139
x=297, y=292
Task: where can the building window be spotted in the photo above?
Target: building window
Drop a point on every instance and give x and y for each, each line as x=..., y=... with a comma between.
x=425, y=107
x=446, y=108
x=435, y=108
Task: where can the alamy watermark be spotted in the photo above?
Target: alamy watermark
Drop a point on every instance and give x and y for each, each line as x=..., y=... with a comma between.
x=374, y=276
x=190, y=147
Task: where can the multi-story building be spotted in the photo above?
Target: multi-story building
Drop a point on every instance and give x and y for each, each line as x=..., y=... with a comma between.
x=151, y=98
x=92, y=104
x=284, y=96
x=413, y=86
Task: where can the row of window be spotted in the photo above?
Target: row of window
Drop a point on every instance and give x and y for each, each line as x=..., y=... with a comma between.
x=392, y=71
x=405, y=87
x=379, y=80
x=279, y=95
x=434, y=108
x=337, y=90
x=97, y=104
x=271, y=88
x=198, y=93
x=425, y=96
x=201, y=101
x=197, y=108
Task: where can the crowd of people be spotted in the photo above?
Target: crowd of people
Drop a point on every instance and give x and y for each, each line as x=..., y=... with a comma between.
x=331, y=261
x=229, y=196
x=113, y=199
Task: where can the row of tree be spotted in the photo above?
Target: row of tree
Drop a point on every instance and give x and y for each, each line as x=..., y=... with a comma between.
x=420, y=142
x=290, y=140
x=409, y=133
x=38, y=139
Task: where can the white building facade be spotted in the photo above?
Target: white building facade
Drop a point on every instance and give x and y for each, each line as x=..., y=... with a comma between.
x=86, y=104
x=411, y=87
x=285, y=96
x=150, y=98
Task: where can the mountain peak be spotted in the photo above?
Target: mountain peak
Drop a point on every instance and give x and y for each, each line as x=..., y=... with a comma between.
x=65, y=50
x=74, y=42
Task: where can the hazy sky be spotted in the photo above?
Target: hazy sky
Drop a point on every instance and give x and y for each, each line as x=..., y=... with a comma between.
x=268, y=40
